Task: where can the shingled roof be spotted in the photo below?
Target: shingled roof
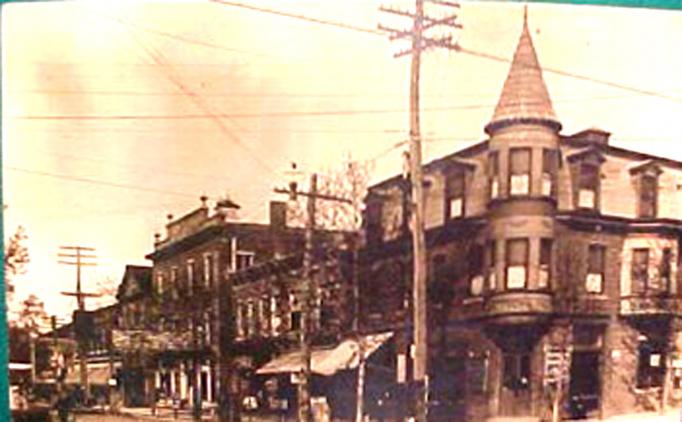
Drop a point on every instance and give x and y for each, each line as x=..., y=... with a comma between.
x=524, y=95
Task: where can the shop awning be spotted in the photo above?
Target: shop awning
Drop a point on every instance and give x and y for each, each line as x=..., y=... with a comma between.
x=98, y=374
x=19, y=366
x=327, y=361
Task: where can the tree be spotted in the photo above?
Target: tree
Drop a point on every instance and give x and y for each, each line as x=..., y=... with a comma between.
x=16, y=259
x=32, y=315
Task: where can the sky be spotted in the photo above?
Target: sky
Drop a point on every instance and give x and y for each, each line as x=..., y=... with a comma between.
x=116, y=114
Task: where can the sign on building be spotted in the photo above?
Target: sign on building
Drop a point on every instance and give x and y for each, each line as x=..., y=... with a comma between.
x=557, y=364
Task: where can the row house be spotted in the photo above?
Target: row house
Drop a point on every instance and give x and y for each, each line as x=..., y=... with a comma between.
x=542, y=248
x=268, y=305
x=189, y=266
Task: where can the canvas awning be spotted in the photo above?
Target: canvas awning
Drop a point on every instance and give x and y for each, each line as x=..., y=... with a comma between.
x=98, y=374
x=327, y=361
x=19, y=366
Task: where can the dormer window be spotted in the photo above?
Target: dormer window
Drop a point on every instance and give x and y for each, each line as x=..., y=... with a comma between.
x=519, y=171
x=648, y=195
x=494, y=174
x=454, y=194
x=646, y=183
x=588, y=186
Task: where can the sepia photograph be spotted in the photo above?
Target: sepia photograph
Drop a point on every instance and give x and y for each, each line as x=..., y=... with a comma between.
x=341, y=211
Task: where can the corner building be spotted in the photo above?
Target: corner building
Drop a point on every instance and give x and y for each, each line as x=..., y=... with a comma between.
x=550, y=257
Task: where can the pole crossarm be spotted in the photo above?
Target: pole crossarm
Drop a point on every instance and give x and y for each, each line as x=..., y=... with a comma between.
x=316, y=195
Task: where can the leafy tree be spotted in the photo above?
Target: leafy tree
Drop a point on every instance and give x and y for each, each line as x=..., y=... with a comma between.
x=32, y=315
x=16, y=259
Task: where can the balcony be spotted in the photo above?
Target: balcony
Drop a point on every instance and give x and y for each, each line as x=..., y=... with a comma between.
x=508, y=308
x=650, y=305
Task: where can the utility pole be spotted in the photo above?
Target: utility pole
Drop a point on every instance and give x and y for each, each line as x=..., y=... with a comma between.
x=304, y=409
x=79, y=256
x=420, y=23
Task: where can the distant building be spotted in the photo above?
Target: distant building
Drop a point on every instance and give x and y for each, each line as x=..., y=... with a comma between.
x=541, y=247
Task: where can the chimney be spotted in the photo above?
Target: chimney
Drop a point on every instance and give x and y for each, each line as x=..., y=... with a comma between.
x=228, y=209
x=278, y=214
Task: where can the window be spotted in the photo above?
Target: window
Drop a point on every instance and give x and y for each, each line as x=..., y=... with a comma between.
x=648, y=189
x=517, y=263
x=241, y=312
x=494, y=174
x=208, y=269
x=159, y=283
x=519, y=171
x=650, y=363
x=244, y=260
x=476, y=270
x=190, y=274
x=640, y=270
x=588, y=186
x=296, y=320
x=250, y=319
x=545, y=263
x=594, y=283
x=275, y=320
x=264, y=315
x=492, y=265
x=454, y=195
x=174, y=281
x=516, y=369
x=550, y=163
x=665, y=271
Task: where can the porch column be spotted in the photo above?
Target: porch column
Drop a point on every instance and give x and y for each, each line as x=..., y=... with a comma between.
x=183, y=382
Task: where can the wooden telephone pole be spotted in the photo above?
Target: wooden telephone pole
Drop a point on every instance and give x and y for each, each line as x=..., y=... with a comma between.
x=79, y=256
x=304, y=408
x=420, y=23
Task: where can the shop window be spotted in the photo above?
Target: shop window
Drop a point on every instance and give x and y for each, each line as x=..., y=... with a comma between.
x=454, y=195
x=545, y=276
x=519, y=171
x=517, y=264
x=492, y=265
x=494, y=174
x=588, y=186
x=516, y=375
x=648, y=195
x=594, y=282
x=476, y=280
x=639, y=273
x=650, y=364
x=550, y=165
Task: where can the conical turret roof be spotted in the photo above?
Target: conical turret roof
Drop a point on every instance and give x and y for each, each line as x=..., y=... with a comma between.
x=524, y=95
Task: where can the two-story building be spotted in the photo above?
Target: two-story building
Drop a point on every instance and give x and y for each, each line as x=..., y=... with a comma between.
x=549, y=256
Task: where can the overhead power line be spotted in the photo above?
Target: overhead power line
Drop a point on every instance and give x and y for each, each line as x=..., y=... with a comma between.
x=99, y=182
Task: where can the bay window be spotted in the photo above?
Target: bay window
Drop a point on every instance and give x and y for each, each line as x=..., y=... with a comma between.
x=545, y=276
x=492, y=265
x=639, y=272
x=550, y=163
x=519, y=171
x=476, y=270
x=494, y=174
x=516, y=264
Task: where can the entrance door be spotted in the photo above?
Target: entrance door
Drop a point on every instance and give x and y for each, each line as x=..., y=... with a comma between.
x=585, y=384
x=515, y=394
